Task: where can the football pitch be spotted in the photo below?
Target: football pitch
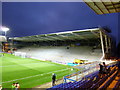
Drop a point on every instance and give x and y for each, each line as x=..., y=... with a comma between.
x=29, y=72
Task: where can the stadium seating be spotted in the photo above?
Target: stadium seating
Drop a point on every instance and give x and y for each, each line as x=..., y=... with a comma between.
x=115, y=82
x=101, y=81
x=117, y=86
x=77, y=84
x=61, y=54
x=91, y=81
x=108, y=81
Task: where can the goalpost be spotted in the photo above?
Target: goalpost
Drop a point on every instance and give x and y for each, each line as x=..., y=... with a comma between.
x=21, y=54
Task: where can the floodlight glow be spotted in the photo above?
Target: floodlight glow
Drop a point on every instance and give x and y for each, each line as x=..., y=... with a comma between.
x=5, y=29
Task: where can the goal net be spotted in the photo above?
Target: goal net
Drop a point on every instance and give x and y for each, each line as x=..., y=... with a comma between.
x=21, y=54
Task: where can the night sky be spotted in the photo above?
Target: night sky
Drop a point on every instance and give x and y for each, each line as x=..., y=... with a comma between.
x=25, y=18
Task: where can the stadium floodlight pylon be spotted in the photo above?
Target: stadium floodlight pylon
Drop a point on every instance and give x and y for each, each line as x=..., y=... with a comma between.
x=5, y=29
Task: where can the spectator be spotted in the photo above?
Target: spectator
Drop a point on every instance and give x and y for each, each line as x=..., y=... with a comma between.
x=13, y=86
x=101, y=71
x=0, y=87
x=104, y=68
x=17, y=86
x=104, y=64
x=53, y=79
x=118, y=64
x=108, y=70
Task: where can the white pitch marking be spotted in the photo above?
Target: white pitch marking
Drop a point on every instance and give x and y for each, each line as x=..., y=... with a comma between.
x=19, y=64
x=34, y=75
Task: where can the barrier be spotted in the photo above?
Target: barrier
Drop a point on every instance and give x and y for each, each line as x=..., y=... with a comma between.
x=85, y=69
x=90, y=81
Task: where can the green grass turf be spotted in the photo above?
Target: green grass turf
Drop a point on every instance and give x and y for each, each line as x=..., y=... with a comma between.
x=27, y=71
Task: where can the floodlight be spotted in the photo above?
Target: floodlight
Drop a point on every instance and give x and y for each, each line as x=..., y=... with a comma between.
x=5, y=29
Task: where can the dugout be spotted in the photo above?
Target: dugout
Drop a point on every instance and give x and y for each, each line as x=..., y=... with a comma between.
x=78, y=61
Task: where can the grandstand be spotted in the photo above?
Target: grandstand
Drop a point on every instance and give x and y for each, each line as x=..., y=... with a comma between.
x=67, y=39
x=52, y=48
x=61, y=54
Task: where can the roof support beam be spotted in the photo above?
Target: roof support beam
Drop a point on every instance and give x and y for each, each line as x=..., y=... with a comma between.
x=102, y=45
x=105, y=6
x=113, y=8
x=56, y=38
x=98, y=7
x=113, y=5
x=90, y=6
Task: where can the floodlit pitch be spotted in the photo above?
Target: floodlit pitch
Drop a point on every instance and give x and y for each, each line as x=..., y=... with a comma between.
x=29, y=72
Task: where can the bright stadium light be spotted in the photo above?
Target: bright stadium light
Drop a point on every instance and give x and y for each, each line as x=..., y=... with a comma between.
x=5, y=29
